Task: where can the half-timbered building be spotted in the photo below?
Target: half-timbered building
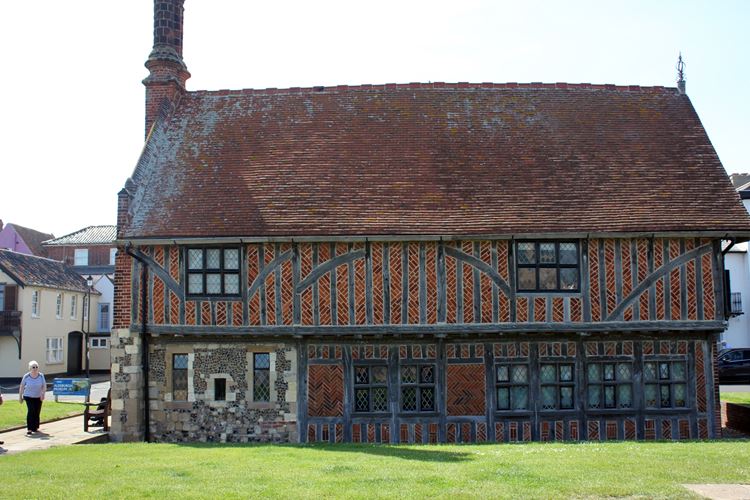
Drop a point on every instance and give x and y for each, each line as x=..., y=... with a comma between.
x=418, y=263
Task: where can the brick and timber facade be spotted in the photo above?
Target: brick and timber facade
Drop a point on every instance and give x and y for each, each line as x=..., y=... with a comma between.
x=422, y=263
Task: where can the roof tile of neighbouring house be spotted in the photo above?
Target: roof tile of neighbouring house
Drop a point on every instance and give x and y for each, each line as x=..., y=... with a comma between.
x=29, y=270
x=431, y=159
x=91, y=235
x=32, y=238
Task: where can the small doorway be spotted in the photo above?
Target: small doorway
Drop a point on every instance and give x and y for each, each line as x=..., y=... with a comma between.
x=75, y=353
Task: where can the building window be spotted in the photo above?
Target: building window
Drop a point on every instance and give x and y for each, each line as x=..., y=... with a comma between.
x=609, y=385
x=81, y=257
x=512, y=385
x=179, y=377
x=35, y=304
x=85, y=307
x=547, y=266
x=103, y=322
x=665, y=384
x=557, y=386
x=220, y=389
x=54, y=350
x=418, y=388
x=59, y=306
x=99, y=343
x=261, y=377
x=213, y=271
x=112, y=255
x=370, y=388
x=73, y=306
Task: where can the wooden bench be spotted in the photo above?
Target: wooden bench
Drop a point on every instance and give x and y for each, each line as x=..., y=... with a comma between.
x=97, y=414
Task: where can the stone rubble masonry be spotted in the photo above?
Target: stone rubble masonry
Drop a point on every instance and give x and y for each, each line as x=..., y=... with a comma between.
x=238, y=418
x=127, y=386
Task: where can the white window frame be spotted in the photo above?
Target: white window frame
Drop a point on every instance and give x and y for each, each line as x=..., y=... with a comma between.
x=59, y=306
x=54, y=350
x=73, y=306
x=85, y=307
x=112, y=255
x=81, y=257
x=100, y=318
x=99, y=343
x=35, y=304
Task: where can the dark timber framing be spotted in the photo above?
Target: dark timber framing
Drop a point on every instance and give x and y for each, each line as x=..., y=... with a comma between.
x=637, y=415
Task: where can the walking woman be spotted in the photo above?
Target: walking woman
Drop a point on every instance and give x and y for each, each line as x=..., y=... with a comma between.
x=32, y=389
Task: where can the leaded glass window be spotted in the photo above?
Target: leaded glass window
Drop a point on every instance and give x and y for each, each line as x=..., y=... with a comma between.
x=665, y=384
x=370, y=388
x=261, y=377
x=512, y=386
x=418, y=388
x=547, y=266
x=609, y=385
x=557, y=386
x=213, y=271
x=179, y=377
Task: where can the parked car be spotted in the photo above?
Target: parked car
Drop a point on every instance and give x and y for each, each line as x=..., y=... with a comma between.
x=734, y=365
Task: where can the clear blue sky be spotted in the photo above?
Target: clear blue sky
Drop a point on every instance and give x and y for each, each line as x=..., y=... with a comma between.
x=72, y=99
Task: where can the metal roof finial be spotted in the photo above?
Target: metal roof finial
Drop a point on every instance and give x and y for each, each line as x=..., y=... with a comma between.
x=681, y=74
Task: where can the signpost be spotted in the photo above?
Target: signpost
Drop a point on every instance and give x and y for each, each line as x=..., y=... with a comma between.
x=71, y=387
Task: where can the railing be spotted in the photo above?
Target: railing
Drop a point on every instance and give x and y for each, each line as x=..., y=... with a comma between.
x=735, y=304
x=10, y=320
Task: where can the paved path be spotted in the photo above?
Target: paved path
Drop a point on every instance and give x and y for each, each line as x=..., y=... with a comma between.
x=734, y=388
x=721, y=491
x=61, y=432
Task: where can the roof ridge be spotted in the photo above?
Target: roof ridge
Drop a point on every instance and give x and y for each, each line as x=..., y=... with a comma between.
x=82, y=230
x=436, y=86
x=31, y=255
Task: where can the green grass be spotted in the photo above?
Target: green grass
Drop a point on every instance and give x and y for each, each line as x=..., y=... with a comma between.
x=736, y=397
x=375, y=471
x=13, y=414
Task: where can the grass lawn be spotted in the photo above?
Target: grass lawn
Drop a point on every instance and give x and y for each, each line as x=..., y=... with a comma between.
x=363, y=471
x=736, y=397
x=13, y=414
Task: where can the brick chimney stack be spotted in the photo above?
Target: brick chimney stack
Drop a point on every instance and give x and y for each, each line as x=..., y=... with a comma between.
x=167, y=71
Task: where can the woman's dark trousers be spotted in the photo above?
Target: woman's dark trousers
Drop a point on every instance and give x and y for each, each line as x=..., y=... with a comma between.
x=33, y=409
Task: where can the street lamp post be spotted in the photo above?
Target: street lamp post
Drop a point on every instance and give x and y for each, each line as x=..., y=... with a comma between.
x=89, y=284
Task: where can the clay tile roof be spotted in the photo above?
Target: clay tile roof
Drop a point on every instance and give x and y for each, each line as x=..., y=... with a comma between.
x=29, y=270
x=32, y=238
x=431, y=159
x=92, y=235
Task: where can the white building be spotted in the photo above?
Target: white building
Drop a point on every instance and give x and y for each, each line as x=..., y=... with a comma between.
x=45, y=308
x=737, y=266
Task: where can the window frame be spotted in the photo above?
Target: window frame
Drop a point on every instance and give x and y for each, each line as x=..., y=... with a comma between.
x=419, y=386
x=370, y=386
x=558, y=384
x=99, y=343
x=112, y=256
x=669, y=382
x=59, y=306
x=222, y=271
x=557, y=266
x=85, y=310
x=510, y=385
x=256, y=371
x=74, y=307
x=80, y=254
x=220, y=383
x=35, y=303
x=100, y=326
x=54, y=354
x=183, y=374
x=615, y=383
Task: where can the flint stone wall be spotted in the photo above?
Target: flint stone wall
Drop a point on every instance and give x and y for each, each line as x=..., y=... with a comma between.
x=238, y=418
